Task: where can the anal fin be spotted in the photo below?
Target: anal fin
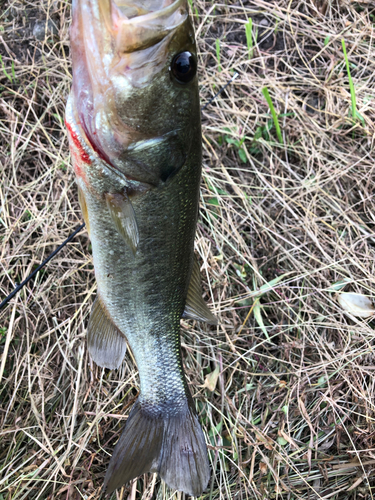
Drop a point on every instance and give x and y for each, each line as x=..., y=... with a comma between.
x=195, y=307
x=123, y=216
x=106, y=344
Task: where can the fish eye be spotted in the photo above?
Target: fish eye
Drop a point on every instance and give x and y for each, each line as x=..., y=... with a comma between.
x=183, y=67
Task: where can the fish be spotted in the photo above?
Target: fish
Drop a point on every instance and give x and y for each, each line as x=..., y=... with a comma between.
x=133, y=122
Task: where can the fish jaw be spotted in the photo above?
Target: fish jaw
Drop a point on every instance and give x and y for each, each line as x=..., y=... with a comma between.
x=141, y=31
x=121, y=77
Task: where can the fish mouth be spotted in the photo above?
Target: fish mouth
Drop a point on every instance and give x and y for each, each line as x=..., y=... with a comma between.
x=136, y=28
x=131, y=24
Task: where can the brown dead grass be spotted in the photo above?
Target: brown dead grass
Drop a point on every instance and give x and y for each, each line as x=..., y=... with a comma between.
x=291, y=414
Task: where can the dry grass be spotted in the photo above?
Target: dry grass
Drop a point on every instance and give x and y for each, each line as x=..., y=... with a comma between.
x=292, y=415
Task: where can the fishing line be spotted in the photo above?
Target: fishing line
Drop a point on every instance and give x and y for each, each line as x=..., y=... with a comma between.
x=69, y=238
x=24, y=282
x=220, y=91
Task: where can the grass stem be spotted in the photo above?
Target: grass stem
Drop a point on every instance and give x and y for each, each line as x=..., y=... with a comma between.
x=218, y=54
x=273, y=113
x=249, y=37
x=351, y=84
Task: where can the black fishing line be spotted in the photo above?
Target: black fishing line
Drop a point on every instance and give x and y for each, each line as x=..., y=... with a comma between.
x=220, y=91
x=24, y=282
x=69, y=238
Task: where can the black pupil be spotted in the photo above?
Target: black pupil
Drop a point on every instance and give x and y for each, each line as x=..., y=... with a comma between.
x=184, y=67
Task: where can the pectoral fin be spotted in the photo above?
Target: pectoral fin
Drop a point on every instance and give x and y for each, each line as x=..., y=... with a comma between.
x=123, y=216
x=82, y=202
x=106, y=344
x=195, y=307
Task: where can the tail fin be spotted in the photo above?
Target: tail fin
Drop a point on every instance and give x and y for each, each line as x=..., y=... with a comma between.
x=184, y=462
x=173, y=446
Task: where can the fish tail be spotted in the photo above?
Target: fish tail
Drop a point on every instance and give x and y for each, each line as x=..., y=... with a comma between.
x=170, y=443
x=184, y=462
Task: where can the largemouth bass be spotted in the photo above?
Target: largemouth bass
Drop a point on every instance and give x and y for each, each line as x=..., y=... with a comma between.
x=133, y=118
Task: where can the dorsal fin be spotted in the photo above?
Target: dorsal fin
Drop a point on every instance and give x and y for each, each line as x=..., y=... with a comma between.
x=106, y=344
x=123, y=216
x=195, y=307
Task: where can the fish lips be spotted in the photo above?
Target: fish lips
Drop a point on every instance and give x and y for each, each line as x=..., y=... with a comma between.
x=143, y=31
x=120, y=26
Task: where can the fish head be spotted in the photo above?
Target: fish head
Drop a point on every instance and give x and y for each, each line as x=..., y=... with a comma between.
x=135, y=85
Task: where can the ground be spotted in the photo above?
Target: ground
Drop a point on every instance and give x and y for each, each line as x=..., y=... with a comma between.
x=285, y=384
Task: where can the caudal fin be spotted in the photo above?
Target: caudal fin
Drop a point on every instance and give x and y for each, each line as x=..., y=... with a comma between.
x=173, y=446
x=184, y=462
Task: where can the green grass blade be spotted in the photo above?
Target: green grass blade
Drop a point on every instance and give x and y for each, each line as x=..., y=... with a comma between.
x=218, y=54
x=273, y=113
x=249, y=37
x=351, y=85
x=5, y=71
x=259, y=319
x=13, y=72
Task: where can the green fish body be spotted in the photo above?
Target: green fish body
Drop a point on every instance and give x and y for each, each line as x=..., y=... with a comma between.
x=133, y=119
